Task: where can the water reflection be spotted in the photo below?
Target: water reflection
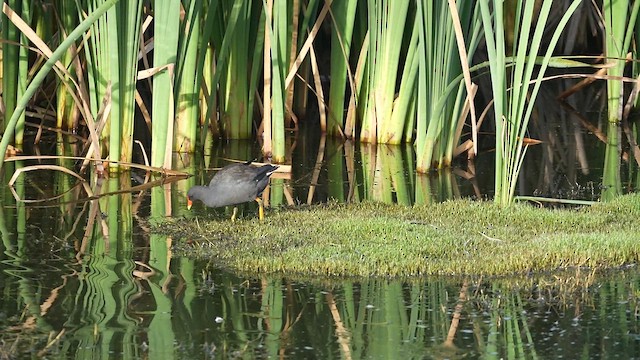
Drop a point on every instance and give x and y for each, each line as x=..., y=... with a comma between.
x=112, y=306
x=84, y=277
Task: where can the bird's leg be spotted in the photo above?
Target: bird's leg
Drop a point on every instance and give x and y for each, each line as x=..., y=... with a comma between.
x=235, y=212
x=260, y=208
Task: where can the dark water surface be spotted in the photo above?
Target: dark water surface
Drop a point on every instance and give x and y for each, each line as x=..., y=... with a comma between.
x=87, y=279
x=132, y=304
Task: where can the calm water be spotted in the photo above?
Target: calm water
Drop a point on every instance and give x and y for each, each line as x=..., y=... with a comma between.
x=87, y=278
x=130, y=304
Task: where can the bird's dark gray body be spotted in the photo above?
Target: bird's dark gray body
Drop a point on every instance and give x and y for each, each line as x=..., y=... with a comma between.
x=234, y=184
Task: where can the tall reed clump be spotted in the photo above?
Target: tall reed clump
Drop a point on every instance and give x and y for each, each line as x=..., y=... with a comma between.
x=189, y=62
x=52, y=59
x=111, y=62
x=237, y=38
x=511, y=80
x=401, y=66
x=112, y=58
x=288, y=35
x=408, y=76
x=388, y=21
x=440, y=115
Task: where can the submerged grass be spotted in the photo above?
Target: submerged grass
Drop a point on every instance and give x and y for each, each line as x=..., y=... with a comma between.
x=453, y=238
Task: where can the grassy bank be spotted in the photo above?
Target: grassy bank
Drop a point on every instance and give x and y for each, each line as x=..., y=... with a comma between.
x=455, y=237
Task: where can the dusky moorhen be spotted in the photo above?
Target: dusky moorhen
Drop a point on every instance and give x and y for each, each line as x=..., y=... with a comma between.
x=232, y=185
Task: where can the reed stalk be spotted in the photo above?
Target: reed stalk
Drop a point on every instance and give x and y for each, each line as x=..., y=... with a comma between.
x=166, y=38
x=343, y=15
x=112, y=58
x=15, y=68
x=611, y=180
x=277, y=28
x=620, y=25
x=188, y=77
x=619, y=19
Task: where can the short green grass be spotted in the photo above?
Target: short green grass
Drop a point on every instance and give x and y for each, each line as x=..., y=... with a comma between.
x=453, y=238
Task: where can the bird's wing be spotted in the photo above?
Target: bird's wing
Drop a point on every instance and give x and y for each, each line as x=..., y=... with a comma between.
x=227, y=172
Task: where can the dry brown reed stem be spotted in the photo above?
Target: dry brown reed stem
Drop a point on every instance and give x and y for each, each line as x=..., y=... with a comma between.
x=587, y=125
x=468, y=107
x=101, y=120
x=464, y=62
x=307, y=44
x=52, y=129
x=94, y=210
x=90, y=196
x=632, y=142
x=350, y=120
x=316, y=169
x=582, y=84
x=343, y=335
x=322, y=108
x=455, y=320
x=162, y=171
x=19, y=171
x=292, y=57
x=350, y=159
x=144, y=152
x=144, y=110
x=43, y=352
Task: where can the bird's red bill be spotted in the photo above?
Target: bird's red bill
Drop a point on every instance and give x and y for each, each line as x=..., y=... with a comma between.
x=189, y=203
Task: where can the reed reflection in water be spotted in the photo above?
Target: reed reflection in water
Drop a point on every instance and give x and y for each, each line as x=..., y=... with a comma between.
x=84, y=277
x=118, y=305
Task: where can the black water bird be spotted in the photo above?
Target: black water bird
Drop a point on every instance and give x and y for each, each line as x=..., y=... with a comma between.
x=232, y=185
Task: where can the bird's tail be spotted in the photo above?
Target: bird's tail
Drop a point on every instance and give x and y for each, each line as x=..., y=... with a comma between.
x=265, y=171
